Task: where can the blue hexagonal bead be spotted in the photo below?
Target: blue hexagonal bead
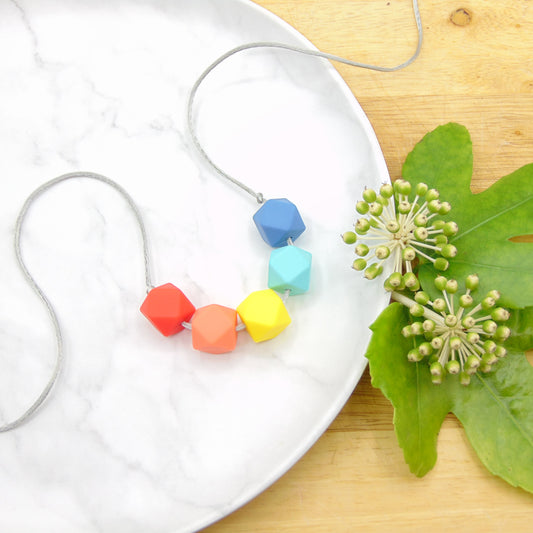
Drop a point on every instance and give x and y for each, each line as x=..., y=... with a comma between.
x=289, y=269
x=279, y=220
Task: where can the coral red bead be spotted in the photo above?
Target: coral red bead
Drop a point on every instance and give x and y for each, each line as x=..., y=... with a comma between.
x=214, y=329
x=166, y=307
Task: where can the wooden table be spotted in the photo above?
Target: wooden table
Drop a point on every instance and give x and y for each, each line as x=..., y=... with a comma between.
x=476, y=69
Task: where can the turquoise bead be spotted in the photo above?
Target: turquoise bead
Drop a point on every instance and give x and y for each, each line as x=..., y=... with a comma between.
x=279, y=220
x=289, y=269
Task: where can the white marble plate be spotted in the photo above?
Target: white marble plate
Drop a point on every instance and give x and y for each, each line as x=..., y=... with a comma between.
x=142, y=433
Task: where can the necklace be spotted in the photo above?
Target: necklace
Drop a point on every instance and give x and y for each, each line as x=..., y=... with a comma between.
x=263, y=313
x=214, y=327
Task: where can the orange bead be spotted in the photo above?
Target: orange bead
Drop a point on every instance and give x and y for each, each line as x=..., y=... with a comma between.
x=214, y=329
x=166, y=307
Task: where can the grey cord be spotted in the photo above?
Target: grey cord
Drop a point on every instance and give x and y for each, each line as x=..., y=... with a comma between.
x=38, y=291
x=90, y=175
x=316, y=53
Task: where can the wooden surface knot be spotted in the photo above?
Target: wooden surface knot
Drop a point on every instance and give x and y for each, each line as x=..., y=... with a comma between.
x=461, y=17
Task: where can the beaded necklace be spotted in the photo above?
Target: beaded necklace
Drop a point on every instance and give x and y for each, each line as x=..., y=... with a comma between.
x=214, y=327
x=263, y=313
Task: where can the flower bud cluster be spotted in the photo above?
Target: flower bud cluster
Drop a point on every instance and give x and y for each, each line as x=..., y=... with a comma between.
x=399, y=225
x=454, y=333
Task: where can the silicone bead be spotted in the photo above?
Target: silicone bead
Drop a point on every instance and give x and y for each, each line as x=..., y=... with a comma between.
x=214, y=329
x=264, y=314
x=289, y=269
x=277, y=221
x=166, y=307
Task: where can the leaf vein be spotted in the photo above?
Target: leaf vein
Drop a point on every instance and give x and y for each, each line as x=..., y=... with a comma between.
x=504, y=407
x=525, y=268
x=487, y=220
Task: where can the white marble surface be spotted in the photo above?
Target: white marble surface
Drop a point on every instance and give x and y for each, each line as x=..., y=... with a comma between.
x=143, y=434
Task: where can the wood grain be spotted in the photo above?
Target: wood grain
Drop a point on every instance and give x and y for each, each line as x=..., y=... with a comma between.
x=476, y=70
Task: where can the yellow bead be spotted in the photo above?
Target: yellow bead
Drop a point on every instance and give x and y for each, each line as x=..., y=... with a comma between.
x=264, y=315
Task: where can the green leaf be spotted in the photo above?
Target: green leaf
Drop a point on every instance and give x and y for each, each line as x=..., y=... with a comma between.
x=487, y=220
x=496, y=411
x=419, y=406
x=521, y=324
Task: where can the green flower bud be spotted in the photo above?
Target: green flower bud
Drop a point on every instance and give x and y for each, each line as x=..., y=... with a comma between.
x=373, y=271
x=489, y=346
x=464, y=378
x=362, y=226
x=472, y=364
x=468, y=322
x=440, y=283
x=382, y=252
x=421, y=234
x=425, y=349
x=437, y=343
x=417, y=329
x=362, y=207
x=438, y=224
x=416, y=310
x=395, y=279
x=452, y=286
x=404, y=207
x=500, y=351
x=369, y=195
x=421, y=189
x=420, y=220
x=453, y=367
x=359, y=265
x=428, y=325
x=494, y=294
x=441, y=264
x=448, y=251
x=489, y=358
x=431, y=195
x=411, y=281
x=422, y=297
x=436, y=369
x=489, y=326
x=466, y=300
x=402, y=187
x=392, y=226
x=373, y=223
x=387, y=286
x=439, y=304
x=500, y=314
x=450, y=229
x=434, y=206
x=441, y=240
x=375, y=209
x=451, y=321
x=485, y=367
x=488, y=303
x=361, y=250
x=408, y=253
x=382, y=200
x=386, y=190
x=349, y=237
x=455, y=342
x=407, y=332
x=502, y=333
x=472, y=282
x=445, y=208
x=414, y=356
x=472, y=337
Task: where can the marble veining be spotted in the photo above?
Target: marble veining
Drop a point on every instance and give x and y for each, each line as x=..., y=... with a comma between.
x=142, y=433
